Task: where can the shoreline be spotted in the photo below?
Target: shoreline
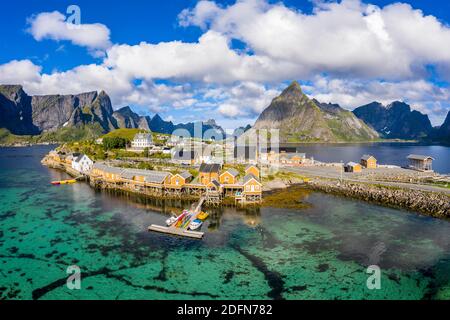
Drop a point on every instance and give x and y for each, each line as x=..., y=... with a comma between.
x=426, y=203
x=429, y=203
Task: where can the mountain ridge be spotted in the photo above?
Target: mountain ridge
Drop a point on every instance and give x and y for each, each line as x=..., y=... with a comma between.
x=300, y=118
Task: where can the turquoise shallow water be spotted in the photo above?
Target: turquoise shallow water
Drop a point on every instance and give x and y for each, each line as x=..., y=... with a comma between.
x=321, y=252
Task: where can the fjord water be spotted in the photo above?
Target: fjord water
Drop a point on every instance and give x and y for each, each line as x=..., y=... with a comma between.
x=320, y=252
x=386, y=153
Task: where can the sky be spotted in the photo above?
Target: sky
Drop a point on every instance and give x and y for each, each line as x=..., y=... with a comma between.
x=195, y=60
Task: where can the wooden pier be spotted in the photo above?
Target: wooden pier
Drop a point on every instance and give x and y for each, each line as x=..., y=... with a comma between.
x=176, y=231
x=182, y=232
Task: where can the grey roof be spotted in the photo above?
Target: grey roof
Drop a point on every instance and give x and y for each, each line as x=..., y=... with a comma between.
x=251, y=165
x=249, y=177
x=367, y=157
x=185, y=175
x=216, y=183
x=210, y=167
x=233, y=172
x=419, y=157
x=79, y=157
x=149, y=175
x=103, y=167
x=352, y=164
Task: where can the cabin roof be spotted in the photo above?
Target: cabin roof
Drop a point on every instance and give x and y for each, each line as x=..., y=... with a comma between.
x=249, y=177
x=366, y=157
x=103, y=167
x=209, y=167
x=185, y=175
x=232, y=171
x=250, y=165
x=419, y=157
x=215, y=183
x=352, y=164
x=149, y=175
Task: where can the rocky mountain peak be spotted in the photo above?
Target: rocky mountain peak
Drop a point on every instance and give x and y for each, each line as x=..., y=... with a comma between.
x=294, y=90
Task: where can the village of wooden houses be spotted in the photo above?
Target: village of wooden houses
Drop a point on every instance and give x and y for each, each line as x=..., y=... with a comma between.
x=194, y=171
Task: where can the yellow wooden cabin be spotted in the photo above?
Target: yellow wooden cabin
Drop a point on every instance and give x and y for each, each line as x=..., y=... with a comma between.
x=180, y=179
x=252, y=169
x=252, y=186
x=369, y=161
x=353, y=167
x=229, y=176
x=208, y=173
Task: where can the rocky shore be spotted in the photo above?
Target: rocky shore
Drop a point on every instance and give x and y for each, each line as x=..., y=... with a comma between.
x=428, y=203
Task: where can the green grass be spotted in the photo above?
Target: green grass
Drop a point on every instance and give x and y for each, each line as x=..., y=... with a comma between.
x=62, y=135
x=127, y=134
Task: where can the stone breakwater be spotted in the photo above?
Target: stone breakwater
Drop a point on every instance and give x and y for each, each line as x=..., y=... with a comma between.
x=428, y=203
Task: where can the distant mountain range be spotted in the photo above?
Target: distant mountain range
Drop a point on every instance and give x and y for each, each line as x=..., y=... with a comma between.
x=22, y=114
x=299, y=118
x=396, y=120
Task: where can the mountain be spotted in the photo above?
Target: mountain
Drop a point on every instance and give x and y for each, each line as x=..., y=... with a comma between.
x=301, y=119
x=23, y=114
x=16, y=110
x=126, y=118
x=240, y=131
x=395, y=121
x=443, y=133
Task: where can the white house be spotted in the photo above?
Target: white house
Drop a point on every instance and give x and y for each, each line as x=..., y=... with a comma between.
x=82, y=163
x=142, y=141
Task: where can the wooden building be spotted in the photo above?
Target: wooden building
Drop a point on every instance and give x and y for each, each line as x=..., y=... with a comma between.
x=180, y=179
x=252, y=169
x=208, y=172
x=421, y=163
x=353, y=167
x=229, y=176
x=368, y=161
x=252, y=189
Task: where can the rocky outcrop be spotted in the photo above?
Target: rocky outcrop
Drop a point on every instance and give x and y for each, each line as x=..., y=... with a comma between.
x=443, y=133
x=428, y=203
x=301, y=119
x=126, y=118
x=395, y=121
x=16, y=110
x=24, y=114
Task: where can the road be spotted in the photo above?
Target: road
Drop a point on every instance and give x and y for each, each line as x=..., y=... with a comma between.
x=334, y=173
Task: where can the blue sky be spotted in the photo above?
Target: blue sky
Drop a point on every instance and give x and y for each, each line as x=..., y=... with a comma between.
x=190, y=60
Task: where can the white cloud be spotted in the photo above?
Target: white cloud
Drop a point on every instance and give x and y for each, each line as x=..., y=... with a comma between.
x=347, y=38
x=17, y=72
x=53, y=25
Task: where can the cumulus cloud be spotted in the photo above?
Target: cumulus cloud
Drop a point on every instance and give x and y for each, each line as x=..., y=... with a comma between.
x=53, y=25
x=348, y=38
x=17, y=72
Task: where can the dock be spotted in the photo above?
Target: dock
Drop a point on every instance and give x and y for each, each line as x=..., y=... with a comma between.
x=182, y=232
x=176, y=231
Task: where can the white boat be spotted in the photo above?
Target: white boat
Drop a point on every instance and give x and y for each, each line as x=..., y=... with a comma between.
x=196, y=224
x=171, y=220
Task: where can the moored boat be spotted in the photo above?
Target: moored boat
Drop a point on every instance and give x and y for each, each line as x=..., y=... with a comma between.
x=196, y=224
x=203, y=216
